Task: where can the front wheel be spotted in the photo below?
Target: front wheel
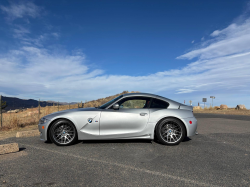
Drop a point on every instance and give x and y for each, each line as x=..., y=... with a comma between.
x=170, y=131
x=63, y=132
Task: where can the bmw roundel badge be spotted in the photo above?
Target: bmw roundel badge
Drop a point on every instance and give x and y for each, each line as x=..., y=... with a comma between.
x=90, y=120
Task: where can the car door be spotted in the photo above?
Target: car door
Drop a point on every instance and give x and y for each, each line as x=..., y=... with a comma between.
x=129, y=120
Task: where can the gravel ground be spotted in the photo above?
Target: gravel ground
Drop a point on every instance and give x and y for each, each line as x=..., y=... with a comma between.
x=218, y=156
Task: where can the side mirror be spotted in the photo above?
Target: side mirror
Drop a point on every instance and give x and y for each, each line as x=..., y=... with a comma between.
x=116, y=106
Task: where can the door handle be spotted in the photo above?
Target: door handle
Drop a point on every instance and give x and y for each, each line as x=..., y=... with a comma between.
x=143, y=114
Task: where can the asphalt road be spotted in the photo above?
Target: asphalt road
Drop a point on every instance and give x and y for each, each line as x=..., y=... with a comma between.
x=218, y=156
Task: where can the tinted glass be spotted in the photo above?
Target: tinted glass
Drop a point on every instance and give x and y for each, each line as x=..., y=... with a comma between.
x=156, y=103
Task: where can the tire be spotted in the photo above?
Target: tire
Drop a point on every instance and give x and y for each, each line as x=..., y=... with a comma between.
x=170, y=131
x=63, y=133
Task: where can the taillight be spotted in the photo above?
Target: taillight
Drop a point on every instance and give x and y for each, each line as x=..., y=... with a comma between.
x=190, y=122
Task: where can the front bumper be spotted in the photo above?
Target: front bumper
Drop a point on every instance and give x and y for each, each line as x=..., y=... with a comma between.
x=191, y=128
x=43, y=130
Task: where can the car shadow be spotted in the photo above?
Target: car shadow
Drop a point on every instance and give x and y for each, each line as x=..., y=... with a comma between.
x=114, y=141
x=186, y=139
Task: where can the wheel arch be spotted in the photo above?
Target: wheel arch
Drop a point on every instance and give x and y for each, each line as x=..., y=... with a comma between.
x=53, y=121
x=167, y=117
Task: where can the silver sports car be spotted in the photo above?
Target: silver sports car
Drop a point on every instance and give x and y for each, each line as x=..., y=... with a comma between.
x=128, y=116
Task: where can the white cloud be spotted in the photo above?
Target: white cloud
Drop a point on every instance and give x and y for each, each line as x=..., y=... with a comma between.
x=231, y=40
x=229, y=30
x=20, y=10
x=33, y=70
x=20, y=32
x=55, y=34
x=192, y=42
x=180, y=91
x=215, y=33
x=54, y=76
x=202, y=38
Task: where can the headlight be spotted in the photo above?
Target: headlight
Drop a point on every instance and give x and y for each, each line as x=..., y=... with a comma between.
x=43, y=120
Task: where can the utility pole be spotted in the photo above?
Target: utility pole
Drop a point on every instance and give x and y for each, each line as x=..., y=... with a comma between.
x=1, y=110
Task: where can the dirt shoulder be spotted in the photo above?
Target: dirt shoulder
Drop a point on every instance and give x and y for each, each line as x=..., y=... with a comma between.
x=12, y=132
x=225, y=111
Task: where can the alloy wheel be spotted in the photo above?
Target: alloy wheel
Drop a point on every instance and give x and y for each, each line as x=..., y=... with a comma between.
x=171, y=132
x=63, y=133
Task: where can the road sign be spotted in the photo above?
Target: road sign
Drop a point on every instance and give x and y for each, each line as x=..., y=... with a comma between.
x=212, y=100
x=204, y=100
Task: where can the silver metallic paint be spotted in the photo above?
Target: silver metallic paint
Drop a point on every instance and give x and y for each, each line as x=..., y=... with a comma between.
x=123, y=123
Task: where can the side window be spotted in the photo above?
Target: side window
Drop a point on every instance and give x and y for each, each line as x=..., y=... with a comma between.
x=156, y=103
x=136, y=102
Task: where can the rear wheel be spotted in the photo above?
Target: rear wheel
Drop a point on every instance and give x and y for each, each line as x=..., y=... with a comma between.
x=63, y=132
x=170, y=131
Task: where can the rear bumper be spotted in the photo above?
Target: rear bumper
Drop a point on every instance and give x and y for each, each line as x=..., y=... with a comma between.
x=191, y=128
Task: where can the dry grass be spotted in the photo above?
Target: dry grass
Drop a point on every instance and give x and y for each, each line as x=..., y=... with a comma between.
x=13, y=121
x=229, y=111
x=27, y=117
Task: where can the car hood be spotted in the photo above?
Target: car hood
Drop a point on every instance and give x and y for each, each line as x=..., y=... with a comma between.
x=65, y=112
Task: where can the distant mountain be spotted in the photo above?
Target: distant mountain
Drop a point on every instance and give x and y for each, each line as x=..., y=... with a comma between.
x=16, y=103
x=61, y=103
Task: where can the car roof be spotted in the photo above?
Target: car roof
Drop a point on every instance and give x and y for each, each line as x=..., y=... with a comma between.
x=141, y=94
x=171, y=102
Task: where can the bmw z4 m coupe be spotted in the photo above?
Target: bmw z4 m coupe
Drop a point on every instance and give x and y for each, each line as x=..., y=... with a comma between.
x=128, y=116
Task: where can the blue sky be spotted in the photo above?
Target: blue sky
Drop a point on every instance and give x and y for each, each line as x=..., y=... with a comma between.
x=84, y=50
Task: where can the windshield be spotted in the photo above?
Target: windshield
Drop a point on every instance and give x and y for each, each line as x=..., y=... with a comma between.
x=108, y=103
